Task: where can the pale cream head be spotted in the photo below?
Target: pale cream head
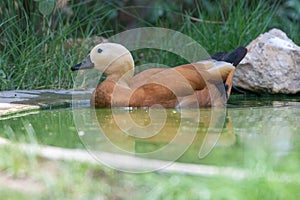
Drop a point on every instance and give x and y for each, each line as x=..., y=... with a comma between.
x=112, y=58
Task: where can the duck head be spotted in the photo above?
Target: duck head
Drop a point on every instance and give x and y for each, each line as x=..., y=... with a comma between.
x=112, y=59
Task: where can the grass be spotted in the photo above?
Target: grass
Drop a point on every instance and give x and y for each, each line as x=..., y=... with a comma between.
x=74, y=180
x=36, y=51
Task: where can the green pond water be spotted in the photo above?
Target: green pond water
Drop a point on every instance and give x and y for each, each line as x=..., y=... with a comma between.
x=256, y=133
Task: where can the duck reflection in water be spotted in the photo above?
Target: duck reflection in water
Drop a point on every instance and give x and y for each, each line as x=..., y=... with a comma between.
x=147, y=130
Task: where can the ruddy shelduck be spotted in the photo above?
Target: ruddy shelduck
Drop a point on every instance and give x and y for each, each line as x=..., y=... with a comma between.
x=200, y=84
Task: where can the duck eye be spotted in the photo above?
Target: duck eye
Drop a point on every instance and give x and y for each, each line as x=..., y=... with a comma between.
x=100, y=50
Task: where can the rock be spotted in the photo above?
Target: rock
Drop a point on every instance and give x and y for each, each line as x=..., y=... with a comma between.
x=272, y=65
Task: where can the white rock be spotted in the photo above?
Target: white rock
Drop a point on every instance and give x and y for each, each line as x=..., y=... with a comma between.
x=272, y=65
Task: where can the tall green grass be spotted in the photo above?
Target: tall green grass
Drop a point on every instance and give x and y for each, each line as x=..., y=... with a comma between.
x=35, y=52
x=238, y=24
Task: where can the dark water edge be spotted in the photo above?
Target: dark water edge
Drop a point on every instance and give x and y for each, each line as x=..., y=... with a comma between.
x=262, y=99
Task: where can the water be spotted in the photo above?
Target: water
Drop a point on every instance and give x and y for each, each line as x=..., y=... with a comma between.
x=251, y=133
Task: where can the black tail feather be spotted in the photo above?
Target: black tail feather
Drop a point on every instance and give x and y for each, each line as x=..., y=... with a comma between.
x=234, y=57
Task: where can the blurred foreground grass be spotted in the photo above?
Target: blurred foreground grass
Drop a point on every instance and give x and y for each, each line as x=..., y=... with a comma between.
x=44, y=179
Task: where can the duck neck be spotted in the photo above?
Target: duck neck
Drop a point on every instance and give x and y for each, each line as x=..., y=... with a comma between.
x=120, y=77
x=121, y=70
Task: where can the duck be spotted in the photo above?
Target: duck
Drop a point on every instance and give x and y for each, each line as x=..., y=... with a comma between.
x=204, y=83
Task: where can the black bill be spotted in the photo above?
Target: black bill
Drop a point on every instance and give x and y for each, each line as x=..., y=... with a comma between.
x=86, y=64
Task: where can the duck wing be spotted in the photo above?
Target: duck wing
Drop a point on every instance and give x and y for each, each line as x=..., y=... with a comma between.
x=167, y=86
x=142, y=77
